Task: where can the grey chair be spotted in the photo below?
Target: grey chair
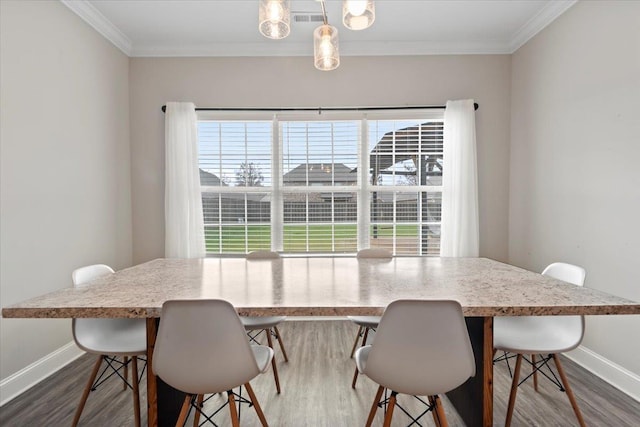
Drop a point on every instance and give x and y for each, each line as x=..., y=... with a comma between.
x=422, y=348
x=366, y=324
x=109, y=339
x=267, y=325
x=546, y=336
x=201, y=348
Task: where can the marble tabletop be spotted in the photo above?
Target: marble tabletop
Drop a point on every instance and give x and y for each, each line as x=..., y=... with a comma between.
x=323, y=286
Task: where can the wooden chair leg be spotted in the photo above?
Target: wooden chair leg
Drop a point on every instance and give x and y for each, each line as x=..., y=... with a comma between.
x=535, y=372
x=514, y=390
x=568, y=390
x=439, y=411
x=355, y=343
x=136, y=390
x=126, y=372
x=365, y=336
x=87, y=390
x=374, y=407
x=235, y=422
x=434, y=414
x=256, y=405
x=184, y=411
x=279, y=338
x=390, y=407
x=196, y=416
x=355, y=378
x=273, y=364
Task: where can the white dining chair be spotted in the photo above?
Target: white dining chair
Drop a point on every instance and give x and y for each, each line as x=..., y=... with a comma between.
x=269, y=324
x=201, y=348
x=422, y=348
x=547, y=336
x=366, y=324
x=109, y=339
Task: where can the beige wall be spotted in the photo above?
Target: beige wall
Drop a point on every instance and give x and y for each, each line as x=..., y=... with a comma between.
x=293, y=82
x=65, y=169
x=575, y=152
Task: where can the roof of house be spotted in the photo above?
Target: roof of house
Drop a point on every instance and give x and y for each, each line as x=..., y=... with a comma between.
x=320, y=173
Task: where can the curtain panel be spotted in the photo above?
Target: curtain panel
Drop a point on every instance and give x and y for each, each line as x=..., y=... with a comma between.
x=184, y=225
x=460, y=226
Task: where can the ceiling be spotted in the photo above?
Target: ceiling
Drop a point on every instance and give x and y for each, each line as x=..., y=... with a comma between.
x=230, y=27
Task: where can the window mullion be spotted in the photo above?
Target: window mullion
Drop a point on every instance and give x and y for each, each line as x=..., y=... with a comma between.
x=277, y=199
x=363, y=192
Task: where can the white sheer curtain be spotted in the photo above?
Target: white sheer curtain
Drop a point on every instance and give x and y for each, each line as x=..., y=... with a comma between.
x=460, y=230
x=184, y=224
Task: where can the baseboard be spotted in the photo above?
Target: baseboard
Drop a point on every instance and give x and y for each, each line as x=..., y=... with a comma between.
x=24, y=379
x=619, y=377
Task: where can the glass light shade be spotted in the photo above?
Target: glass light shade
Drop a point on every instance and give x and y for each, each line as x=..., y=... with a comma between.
x=325, y=48
x=274, y=18
x=358, y=14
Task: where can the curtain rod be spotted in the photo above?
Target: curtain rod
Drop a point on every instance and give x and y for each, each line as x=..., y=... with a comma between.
x=321, y=109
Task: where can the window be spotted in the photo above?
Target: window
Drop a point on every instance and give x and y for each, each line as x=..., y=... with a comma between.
x=330, y=183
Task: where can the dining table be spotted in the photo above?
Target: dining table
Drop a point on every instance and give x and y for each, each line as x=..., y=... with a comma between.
x=326, y=287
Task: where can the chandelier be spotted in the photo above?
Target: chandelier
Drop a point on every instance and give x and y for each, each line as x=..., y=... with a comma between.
x=274, y=22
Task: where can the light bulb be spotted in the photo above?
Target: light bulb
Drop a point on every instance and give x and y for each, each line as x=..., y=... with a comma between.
x=356, y=7
x=275, y=12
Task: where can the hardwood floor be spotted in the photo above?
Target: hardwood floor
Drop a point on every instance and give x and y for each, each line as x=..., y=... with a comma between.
x=316, y=392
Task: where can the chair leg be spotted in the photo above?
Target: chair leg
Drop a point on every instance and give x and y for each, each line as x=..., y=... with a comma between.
x=196, y=416
x=279, y=338
x=126, y=372
x=374, y=407
x=514, y=390
x=389, y=414
x=87, y=390
x=567, y=388
x=235, y=422
x=434, y=414
x=355, y=343
x=535, y=372
x=364, y=342
x=256, y=405
x=136, y=390
x=273, y=364
x=184, y=411
x=355, y=378
x=439, y=411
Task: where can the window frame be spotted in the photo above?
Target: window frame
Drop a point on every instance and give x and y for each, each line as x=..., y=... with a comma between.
x=363, y=188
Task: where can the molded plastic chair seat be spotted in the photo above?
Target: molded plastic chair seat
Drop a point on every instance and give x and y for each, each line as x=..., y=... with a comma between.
x=123, y=337
x=536, y=334
x=268, y=324
x=422, y=348
x=108, y=338
x=215, y=361
x=542, y=335
x=366, y=321
x=254, y=323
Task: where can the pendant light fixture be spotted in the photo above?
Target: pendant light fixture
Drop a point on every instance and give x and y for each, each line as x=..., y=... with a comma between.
x=274, y=18
x=326, y=55
x=358, y=14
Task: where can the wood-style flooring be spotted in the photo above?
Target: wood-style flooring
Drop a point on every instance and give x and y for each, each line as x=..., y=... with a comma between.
x=316, y=391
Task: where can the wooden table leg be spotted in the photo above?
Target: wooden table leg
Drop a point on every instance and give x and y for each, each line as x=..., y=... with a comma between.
x=163, y=401
x=152, y=389
x=474, y=399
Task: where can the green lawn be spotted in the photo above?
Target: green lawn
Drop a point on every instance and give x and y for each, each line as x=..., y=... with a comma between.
x=232, y=237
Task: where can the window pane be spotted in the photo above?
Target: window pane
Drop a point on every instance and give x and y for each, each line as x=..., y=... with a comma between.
x=405, y=152
x=319, y=153
x=236, y=222
x=235, y=153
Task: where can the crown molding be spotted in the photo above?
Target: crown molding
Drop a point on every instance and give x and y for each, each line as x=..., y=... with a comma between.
x=106, y=28
x=536, y=24
x=305, y=49
x=102, y=25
